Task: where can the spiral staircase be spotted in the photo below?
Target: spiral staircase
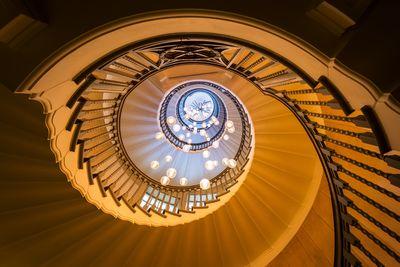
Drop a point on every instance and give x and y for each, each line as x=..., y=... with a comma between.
x=316, y=180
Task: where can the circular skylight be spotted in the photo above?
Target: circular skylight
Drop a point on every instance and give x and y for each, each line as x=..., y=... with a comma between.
x=199, y=105
x=183, y=143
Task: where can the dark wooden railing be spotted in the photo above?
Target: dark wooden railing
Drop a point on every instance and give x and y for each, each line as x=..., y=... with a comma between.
x=351, y=144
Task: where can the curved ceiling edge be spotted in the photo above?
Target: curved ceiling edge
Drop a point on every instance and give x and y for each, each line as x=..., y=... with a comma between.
x=356, y=88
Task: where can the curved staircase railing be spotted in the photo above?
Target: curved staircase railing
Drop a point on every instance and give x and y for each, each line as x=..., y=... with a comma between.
x=364, y=180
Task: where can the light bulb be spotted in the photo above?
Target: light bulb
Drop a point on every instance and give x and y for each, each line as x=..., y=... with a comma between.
x=171, y=120
x=225, y=161
x=165, y=180
x=204, y=184
x=188, y=134
x=209, y=165
x=232, y=163
x=226, y=137
x=189, y=141
x=183, y=181
x=204, y=124
x=176, y=127
x=159, y=135
x=171, y=173
x=203, y=132
x=229, y=124
x=181, y=137
x=215, y=144
x=231, y=130
x=206, y=154
x=208, y=139
x=168, y=158
x=216, y=123
x=154, y=164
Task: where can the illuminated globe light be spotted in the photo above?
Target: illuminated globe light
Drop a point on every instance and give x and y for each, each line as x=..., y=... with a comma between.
x=215, y=144
x=208, y=139
x=213, y=119
x=188, y=134
x=229, y=124
x=171, y=120
x=204, y=184
x=171, y=173
x=186, y=148
x=226, y=137
x=194, y=124
x=183, y=181
x=165, y=180
x=154, y=164
x=231, y=130
x=204, y=124
x=187, y=116
x=159, y=135
x=216, y=123
x=168, y=158
x=176, y=127
x=203, y=132
x=195, y=130
x=209, y=165
x=225, y=161
x=206, y=154
x=181, y=137
x=189, y=141
x=232, y=163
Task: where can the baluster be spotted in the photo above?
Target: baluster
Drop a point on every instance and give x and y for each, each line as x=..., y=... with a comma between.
x=102, y=101
x=124, y=67
x=391, y=177
x=279, y=78
x=235, y=55
x=254, y=64
x=147, y=59
x=366, y=137
x=331, y=103
x=345, y=185
x=389, y=251
x=358, y=121
x=244, y=60
x=134, y=61
x=263, y=68
x=322, y=137
x=338, y=168
x=321, y=90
